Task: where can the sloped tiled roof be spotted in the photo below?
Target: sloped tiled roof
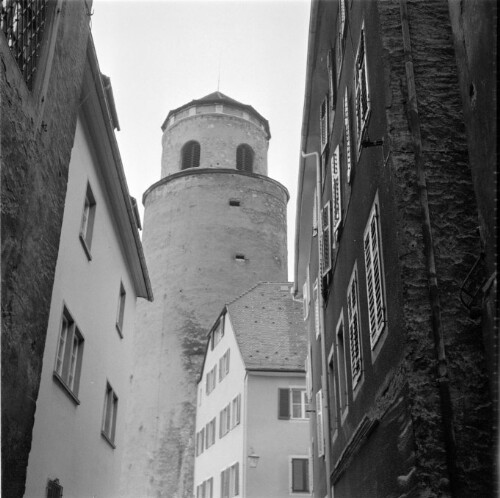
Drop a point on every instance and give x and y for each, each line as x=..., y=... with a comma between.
x=269, y=328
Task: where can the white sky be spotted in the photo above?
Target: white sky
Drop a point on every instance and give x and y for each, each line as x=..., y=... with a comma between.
x=163, y=54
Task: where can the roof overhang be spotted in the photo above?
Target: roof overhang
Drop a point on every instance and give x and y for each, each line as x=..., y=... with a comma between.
x=315, y=87
x=100, y=118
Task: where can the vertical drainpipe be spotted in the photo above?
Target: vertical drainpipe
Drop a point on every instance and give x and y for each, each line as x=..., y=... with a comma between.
x=324, y=385
x=442, y=373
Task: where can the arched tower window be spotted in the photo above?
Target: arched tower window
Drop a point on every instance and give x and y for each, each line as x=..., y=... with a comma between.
x=191, y=155
x=244, y=158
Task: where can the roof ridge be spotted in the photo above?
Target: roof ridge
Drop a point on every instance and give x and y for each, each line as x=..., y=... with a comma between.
x=254, y=287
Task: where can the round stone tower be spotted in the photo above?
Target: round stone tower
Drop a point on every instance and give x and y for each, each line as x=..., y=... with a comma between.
x=214, y=226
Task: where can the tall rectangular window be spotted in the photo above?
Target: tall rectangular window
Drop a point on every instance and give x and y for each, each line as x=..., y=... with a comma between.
x=341, y=30
x=332, y=395
x=109, y=414
x=326, y=240
x=87, y=223
x=316, y=308
x=236, y=411
x=224, y=364
x=354, y=329
x=336, y=194
x=319, y=423
x=374, y=277
x=120, y=313
x=300, y=475
x=69, y=354
x=323, y=123
x=341, y=364
x=211, y=379
x=347, y=134
x=332, y=84
x=362, y=90
x=218, y=333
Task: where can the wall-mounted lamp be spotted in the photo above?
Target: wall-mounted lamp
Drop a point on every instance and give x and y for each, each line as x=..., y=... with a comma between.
x=253, y=459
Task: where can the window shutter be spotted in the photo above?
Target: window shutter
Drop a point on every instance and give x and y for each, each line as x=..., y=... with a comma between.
x=347, y=128
x=324, y=123
x=315, y=214
x=227, y=360
x=238, y=410
x=319, y=423
x=237, y=479
x=332, y=81
x=362, y=90
x=336, y=194
x=316, y=307
x=374, y=284
x=354, y=335
x=284, y=404
x=326, y=240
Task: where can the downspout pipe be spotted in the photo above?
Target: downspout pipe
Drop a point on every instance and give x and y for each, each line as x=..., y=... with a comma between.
x=437, y=329
x=324, y=376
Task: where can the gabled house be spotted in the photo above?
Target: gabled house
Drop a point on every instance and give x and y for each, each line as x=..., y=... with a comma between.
x=252, y=433
x=79, y=424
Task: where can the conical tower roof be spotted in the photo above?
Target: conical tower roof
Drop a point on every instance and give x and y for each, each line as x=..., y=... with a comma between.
x=219, y=98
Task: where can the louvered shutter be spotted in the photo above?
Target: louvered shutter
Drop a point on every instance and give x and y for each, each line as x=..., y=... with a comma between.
x=332, y=82
x=323, y=123
x=347, y=129
x=362, y=90
x=283, y=404
x=315, y=213
x=336, y=195
x=354, y=333
x=319, y=423
x=374, y=282
x=326, y=240
x=316, y=307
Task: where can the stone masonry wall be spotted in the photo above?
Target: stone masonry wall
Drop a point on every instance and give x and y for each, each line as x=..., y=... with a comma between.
x=441, y=151
x=191, y=237
x=34, y=177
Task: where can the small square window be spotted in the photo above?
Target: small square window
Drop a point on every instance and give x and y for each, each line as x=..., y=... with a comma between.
x=234, y=202
x=240, y=258
x=121, y=310
x=69, y=355
x=87, y=224
x=109, y=415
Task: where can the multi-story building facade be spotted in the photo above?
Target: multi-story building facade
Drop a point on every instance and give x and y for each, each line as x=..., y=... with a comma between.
x=252, y=435
x=43, y=54
x=387, y=233
x=78, y=433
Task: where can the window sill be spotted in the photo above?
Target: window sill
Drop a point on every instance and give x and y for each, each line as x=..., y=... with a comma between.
x=86, y=248
x=66, y=388
x=119, y=330
x=106, y=438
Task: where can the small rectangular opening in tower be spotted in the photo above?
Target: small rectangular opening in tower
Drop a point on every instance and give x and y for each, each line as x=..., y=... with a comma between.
x=240, y=257
x=234, y=202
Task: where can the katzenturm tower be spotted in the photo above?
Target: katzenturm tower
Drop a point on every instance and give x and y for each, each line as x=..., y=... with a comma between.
x=214, y=226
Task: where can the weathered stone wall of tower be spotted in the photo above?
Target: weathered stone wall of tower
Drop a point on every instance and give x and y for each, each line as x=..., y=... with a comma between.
x=218, y=134
x=209, y=235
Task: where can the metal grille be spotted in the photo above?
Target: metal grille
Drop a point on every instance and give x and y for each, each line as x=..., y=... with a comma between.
x=23, y=23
